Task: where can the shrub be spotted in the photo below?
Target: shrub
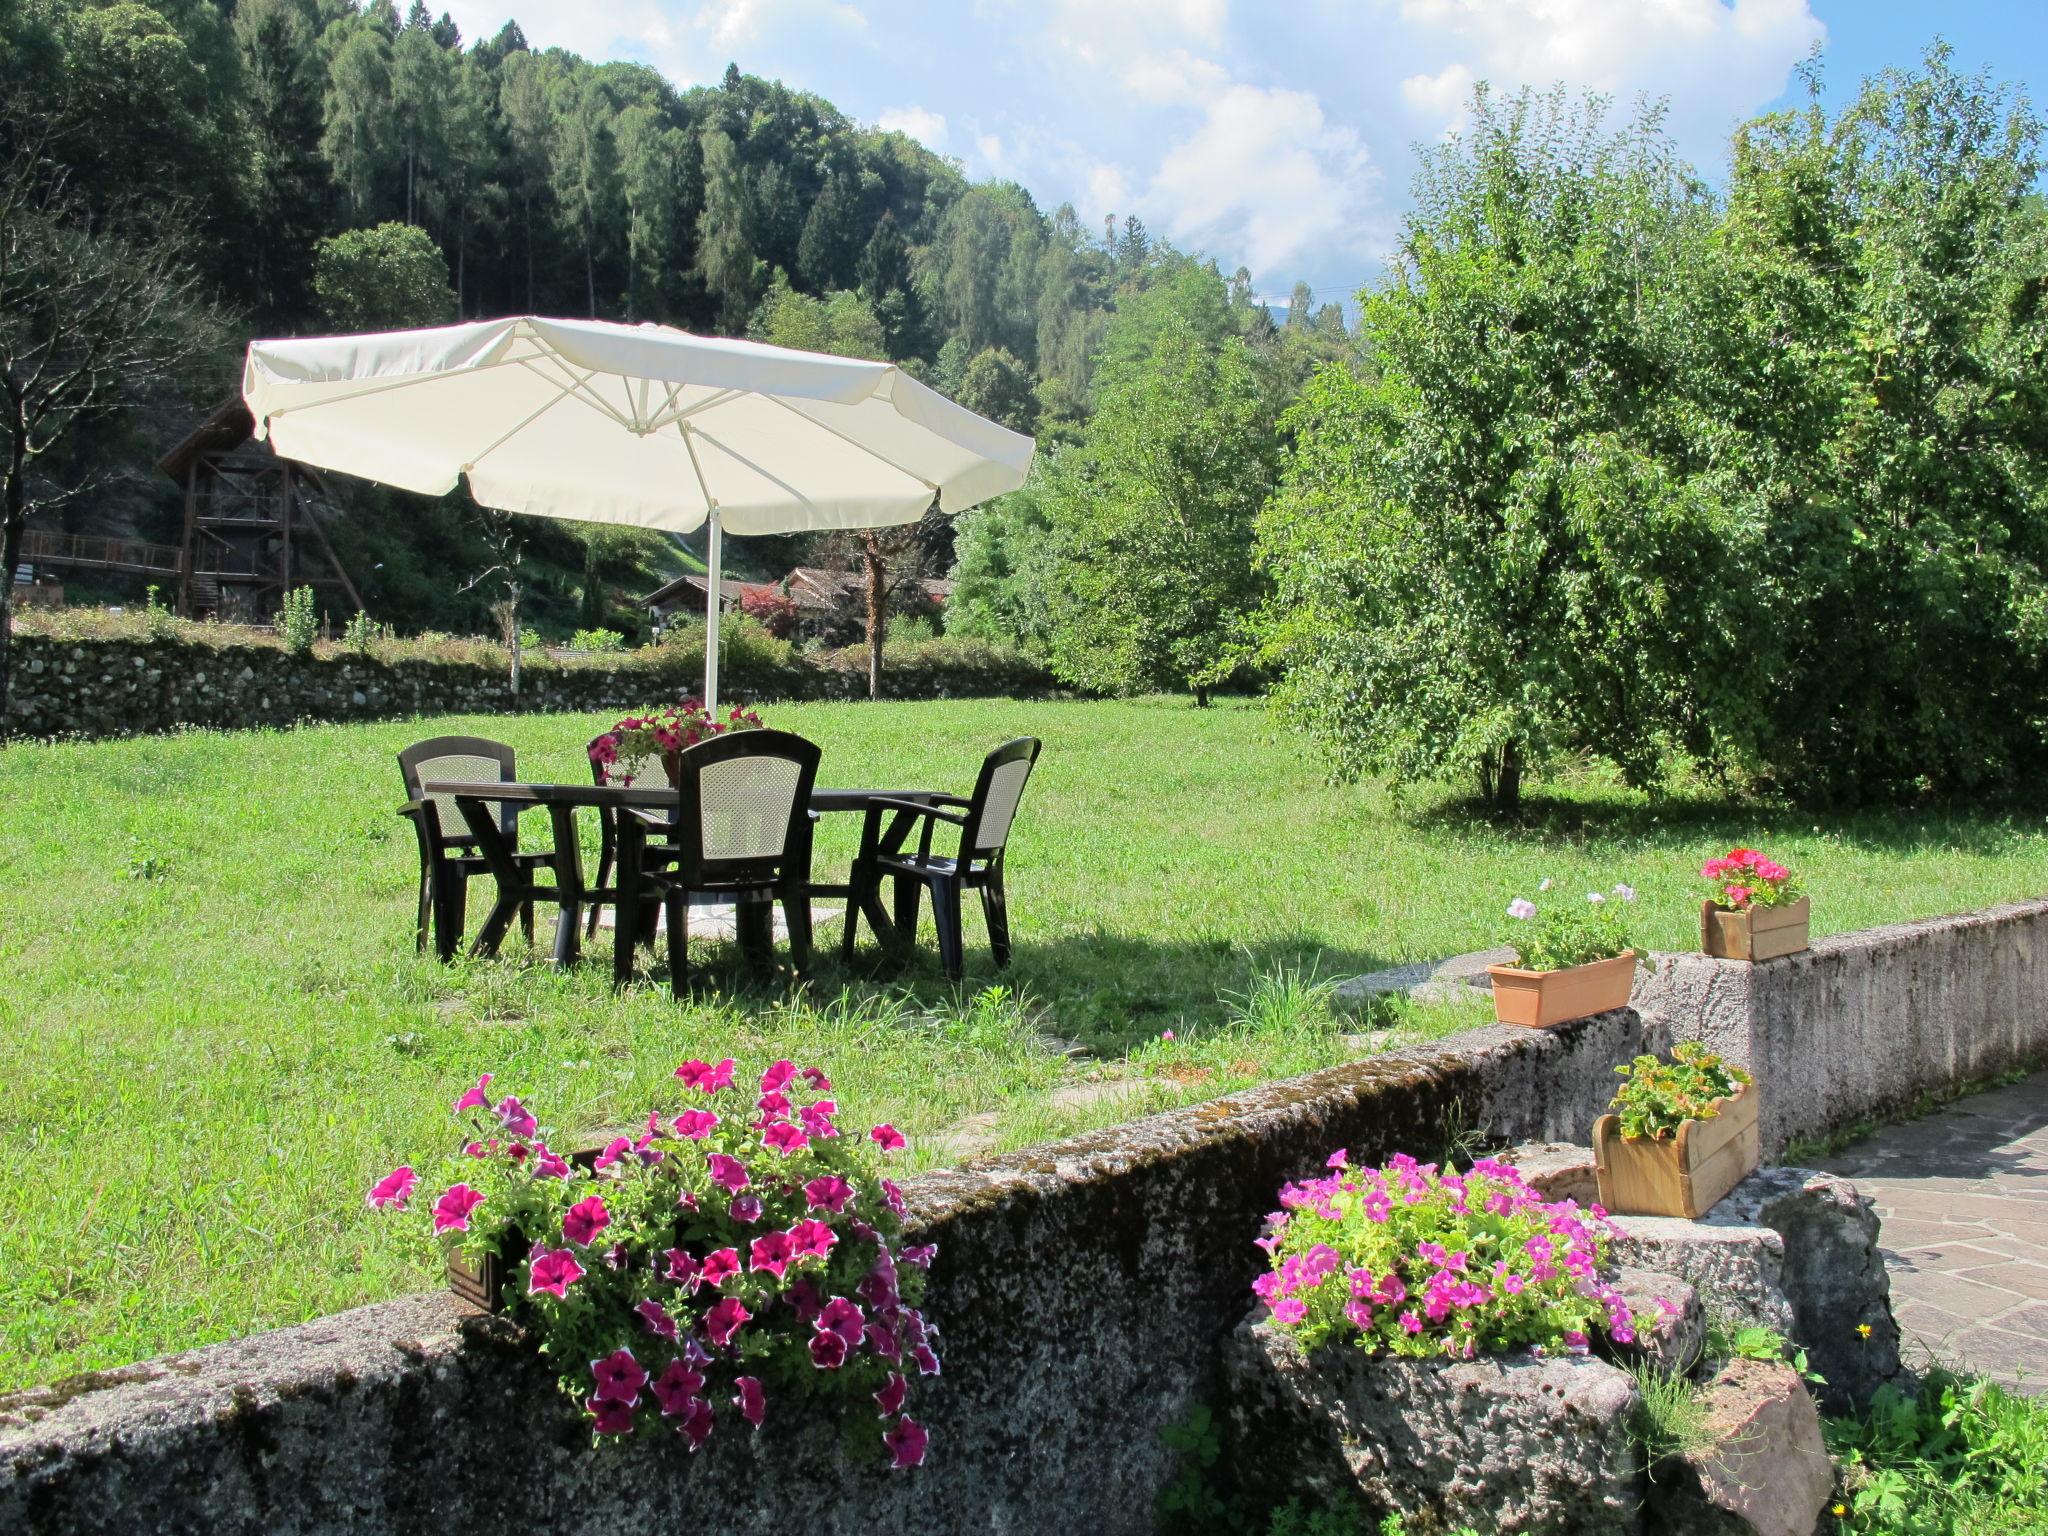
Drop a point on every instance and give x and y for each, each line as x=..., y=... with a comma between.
x=749, y=1249
x=363, y=634
x=607, y=641
x=1409, y=1260
x=949, y=666
x=1743, y=878
x=1661, y=1096
x=1564, y=933
x=298, y=621
x=771, y=608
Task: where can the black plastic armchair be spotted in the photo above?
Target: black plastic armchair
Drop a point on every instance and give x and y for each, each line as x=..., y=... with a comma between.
x=449, y=851
x=984, y=819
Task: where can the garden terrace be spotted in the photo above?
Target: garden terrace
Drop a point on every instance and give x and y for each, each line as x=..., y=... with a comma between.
x=216, y=1032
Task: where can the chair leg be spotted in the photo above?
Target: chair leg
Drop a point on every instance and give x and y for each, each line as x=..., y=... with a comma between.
x=450, y=902
x=796, y=912
x=907, y=892
x=856, y=887
x=426, y=918
x=526, y=922
x=604, y=875
x=676, y=904
x=995, y=907
x=946, y=917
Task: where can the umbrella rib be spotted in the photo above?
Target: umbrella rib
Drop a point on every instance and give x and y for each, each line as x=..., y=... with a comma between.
x=578, y=387
x=880, y=458
x=670, y=416
x=690, y=433
x=385, y=386
x=519, y=427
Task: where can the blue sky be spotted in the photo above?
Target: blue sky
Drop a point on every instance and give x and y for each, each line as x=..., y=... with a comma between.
x=1275, y=136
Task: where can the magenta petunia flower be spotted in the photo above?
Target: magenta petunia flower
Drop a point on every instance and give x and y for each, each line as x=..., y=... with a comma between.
x=584, y=1220
x=894, y=1197
x=927, y=1360
x=772, y=1251
x=725, y=1320
x=695, y=1124
x=728, y=1171
x=612, y=1418
x=772, y=1104
x=547, y=1163
x=745, y=1209
x=451, y=1211
x=844, y=1318
x=676, y=1386
x=888, y=1138
x=803, y=1299
x=751, y=1402
x=553, y=1270
x=614, y=1149
x=811, y=1239
x=920, y=1255
x=719, y=1267
x=889, y=1401
x=656, y=1317
x=696, y=1425
x=704, y=1077
x=785, y=1138
x=828, y=1192
x=619, y=1377
x=816, y=1120
x=777, y=1077
x=906, y=1443
x=393, y=1190
x=828, y=1351
x=818, y=1081
x=883, y=1344
x=474, y=1099
x=515, y=1117
x=682, y=1268
x=1289, y=1310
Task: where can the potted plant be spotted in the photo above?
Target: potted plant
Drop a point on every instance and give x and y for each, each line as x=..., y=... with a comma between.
x=1756, y=910
x=1572, y=959
x=742, y=1251
x=662, y=733
x=1416, y=1261
x=1686, y=1133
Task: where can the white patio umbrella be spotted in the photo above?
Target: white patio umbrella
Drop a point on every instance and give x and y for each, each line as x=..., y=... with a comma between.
x=638, y=425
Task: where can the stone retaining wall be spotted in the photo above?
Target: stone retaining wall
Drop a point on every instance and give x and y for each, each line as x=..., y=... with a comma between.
x=1085, y=1290
x=1863, y=1025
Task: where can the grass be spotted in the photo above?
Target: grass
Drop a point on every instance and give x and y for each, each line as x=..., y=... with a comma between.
x=1962, y=1457
x=214, y=1031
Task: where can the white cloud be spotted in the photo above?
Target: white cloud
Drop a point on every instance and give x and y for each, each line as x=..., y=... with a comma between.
x=1717, y=60
x=733, y=22
x=1103, y=31
x=1108, y=191
x=688, y=40
x=990, y=147
x=1265, y=177
x=1166, y=79
x=1440, y=96
x=928, y=128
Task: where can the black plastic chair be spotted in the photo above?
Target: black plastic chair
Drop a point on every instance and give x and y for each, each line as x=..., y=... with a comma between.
x=741, y=829
x=449, y=851
x=984, y=819
x=643, y=773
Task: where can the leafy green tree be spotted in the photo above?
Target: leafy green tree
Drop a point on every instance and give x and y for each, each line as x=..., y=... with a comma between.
x=422, y=94
x=1153, y=515
x=383, y=279
x=996, y=385
x=360, y=126
x=1002, y=581
x=586, y=169
x=840, y=323
x=1493, y=545
x=282, y=79
x=725, y=251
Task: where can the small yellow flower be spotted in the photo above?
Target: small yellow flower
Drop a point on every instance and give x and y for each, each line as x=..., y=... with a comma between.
x=1841, y=1509
x=1864, y=1329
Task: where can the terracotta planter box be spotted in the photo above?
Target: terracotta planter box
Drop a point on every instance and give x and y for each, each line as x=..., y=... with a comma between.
x=1685, y=1174
x=1761, y=933
x=1539, y=999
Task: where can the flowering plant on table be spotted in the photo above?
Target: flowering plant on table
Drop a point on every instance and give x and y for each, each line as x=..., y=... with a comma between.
x=1745, y=877
x=659, y=732
x=741, y=1252
x=1562, y=934
x=1409, y=1259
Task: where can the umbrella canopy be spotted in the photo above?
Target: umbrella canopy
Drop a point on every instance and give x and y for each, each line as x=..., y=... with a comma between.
x=643, y=426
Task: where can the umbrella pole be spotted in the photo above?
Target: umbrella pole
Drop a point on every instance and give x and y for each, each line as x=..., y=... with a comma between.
x=711, y=607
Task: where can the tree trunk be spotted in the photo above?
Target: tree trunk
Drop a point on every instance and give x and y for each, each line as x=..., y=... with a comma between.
x=590, y=278
x=878, y=610
x=1201, y=695
x=1500, y=777
x=13, y=523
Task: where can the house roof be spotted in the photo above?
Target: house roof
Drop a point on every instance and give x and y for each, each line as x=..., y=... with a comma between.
x=690, y=581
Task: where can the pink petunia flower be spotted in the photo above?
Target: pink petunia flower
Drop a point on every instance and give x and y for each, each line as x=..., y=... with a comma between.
x=772, y=1104
x=682, y=1268
x=828, y=1351
x=612, y=1418
x=719, y=1267
x=888, y=1138
x=695, y=1124
x=777, y=1077
x=704, y=1077
x=553, y=1270
x=785, y=1138
x=818, y=1081
x=393, y=1190
x=619, y=1377
x=751, y=1401
x=547, y=1163
x=614, y=1149
x=906, y=1443
x=828, y=1192
x=894, y=1197
x=474, y=1099
x=656, y=1317
x=584, y=1220
x=927, y=1359
x=1289, y=1310
x=920, y=1255
x=745, y=1209
x=811, y=1239
x=515, y=1117
x=883, y=1343
x=451, y=1211
x=725, y=1320
x=696, y=1425
x=889, y=1401
x=844, y=1318
x=727, y=1171
x=803, y=1299
x=772, y=1252
x=676, y=1386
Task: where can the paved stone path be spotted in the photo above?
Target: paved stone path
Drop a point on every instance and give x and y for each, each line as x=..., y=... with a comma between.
x=1964, y=1199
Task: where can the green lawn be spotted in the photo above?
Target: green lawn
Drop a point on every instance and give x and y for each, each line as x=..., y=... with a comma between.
x=214, y=1031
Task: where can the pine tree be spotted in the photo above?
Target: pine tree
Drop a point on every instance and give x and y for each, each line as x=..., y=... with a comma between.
x=725, y=248
x=281, y=83
x=359, y=129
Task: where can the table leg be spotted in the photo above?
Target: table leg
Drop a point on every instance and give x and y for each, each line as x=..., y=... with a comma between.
x=483, y=826
x=568, y=885
x=626, y=912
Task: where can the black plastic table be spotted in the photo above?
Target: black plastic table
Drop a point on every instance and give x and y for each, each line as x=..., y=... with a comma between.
x=633, y=919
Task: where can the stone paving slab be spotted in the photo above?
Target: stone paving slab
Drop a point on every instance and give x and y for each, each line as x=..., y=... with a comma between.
x=1963, y=1195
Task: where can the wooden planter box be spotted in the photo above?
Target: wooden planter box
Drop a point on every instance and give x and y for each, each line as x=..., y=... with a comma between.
x=1760, y=933
x=1540, y=999
x=1685, y=1174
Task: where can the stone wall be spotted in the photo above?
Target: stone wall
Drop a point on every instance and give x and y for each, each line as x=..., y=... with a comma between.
x=99, y=688
x=1864, y=1025
x=1085, y=1290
